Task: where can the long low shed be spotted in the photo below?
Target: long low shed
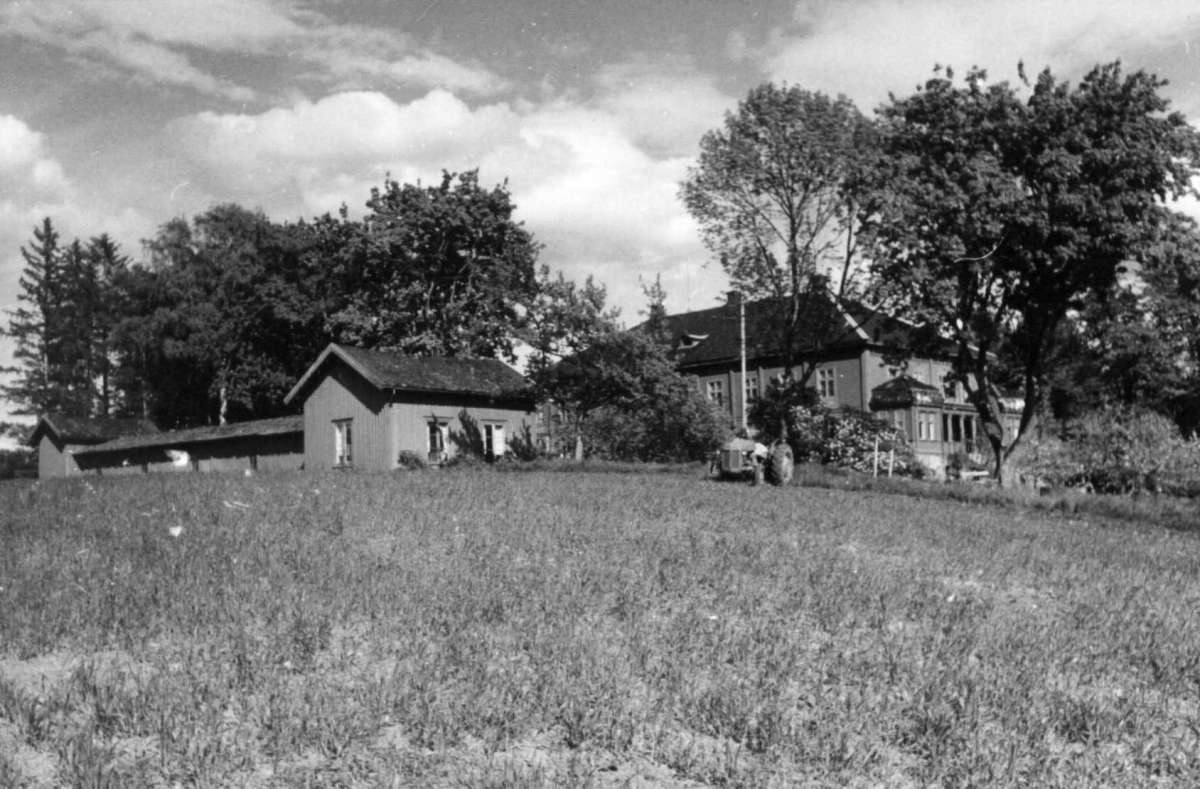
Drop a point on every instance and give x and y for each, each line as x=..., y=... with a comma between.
x=259, y=445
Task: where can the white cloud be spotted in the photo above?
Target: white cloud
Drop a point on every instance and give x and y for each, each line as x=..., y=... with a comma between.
x=665, y=104
x=866, y=49
x=431, y=70
x=163, y=42
x=599, y=199
x=310, y=157
x=135, y=37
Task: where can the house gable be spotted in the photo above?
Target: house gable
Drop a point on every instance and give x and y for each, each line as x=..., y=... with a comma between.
x=374, y=404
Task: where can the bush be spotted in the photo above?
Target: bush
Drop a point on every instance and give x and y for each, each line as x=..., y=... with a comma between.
x=1118, y=450
x=411, y=461
x=847, y=438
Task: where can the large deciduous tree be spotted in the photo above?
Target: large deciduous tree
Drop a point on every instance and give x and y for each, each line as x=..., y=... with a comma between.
x=775, y=192
x=1006, y=214
x=441, y=270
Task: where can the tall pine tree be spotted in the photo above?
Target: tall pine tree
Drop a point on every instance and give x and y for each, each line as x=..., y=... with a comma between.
x=35, y=326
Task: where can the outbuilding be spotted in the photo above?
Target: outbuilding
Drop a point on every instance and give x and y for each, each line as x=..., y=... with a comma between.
x=364, y=408
x=258, y=445
x=58, y=438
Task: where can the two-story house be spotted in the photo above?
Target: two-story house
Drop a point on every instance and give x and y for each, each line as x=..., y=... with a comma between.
x=853, y=350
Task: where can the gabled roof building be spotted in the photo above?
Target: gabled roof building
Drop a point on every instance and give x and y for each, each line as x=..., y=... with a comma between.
x=364, y=408
x=853, y=349
x=59, y=437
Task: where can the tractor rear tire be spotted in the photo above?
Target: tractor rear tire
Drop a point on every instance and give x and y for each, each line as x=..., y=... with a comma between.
x=780, y=464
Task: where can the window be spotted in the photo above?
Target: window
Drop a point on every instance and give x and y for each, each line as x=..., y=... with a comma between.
x=716, y=392
x=438, y=432
x=926, y=426
x=949, y=387
x=343, y=443
x=493, y=441
x=826, y=382
x=751, y=389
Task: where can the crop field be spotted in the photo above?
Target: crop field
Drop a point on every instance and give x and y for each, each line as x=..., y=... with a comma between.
x=475, y=628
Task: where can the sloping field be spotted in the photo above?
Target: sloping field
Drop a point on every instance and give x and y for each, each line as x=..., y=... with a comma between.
x=484, y=629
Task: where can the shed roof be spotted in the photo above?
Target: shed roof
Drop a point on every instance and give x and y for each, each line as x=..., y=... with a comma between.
x=88, y=430
x=395, y=371
x=200, y=435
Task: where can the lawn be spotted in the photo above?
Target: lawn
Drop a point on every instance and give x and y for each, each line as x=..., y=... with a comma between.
x=473, y=628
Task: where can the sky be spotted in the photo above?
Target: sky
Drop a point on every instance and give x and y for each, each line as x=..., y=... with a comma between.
x=119, y=115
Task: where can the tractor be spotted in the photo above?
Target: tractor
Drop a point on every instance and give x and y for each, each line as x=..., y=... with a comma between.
x=742, y=458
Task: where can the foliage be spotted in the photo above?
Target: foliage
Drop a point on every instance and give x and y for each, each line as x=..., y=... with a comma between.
x=775, y=192
x=62, y=326
x=468, y=439
x=567, y=629
x=231, y=307
x=627, y=401
x=1119, y=450
x=849, y=438
x=522, y=445
x=410, y=461
x=773, y=414
x=17, y=463
x=438, y=270
x=1137, y=345
x=224, y=319
x=1002, y=215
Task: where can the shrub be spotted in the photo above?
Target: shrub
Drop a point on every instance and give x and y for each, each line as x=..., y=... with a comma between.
x=523, y=445
x=1118, y=450
x=411, y=461
x=468, y=440
x=848, y=438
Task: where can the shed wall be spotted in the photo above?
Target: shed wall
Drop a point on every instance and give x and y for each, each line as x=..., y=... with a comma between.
x=412, y=420
x=280, y=452
x=52, y=461
x=343, y=394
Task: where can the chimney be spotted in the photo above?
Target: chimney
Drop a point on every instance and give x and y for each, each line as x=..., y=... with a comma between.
x=733, y=298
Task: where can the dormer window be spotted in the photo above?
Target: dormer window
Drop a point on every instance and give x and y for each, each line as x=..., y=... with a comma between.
x=686, y=341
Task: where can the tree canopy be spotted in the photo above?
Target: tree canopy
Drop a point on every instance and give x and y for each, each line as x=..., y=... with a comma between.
x=229, y=307
x=775, y=192
x=995, y=216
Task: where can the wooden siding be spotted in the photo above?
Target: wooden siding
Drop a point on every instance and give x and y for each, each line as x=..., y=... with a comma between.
x=412, y=420
x=54, y=460
x=343, y=394
x=279, y=452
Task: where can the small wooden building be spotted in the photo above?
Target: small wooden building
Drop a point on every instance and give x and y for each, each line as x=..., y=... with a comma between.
x=58, y=438
x=258, y=445
x=363, y=408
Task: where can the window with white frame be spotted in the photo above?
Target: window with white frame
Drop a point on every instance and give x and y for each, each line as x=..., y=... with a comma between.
x=751, y=389
x=926, y=426
x=826, y=382
x=493, y=440
x=438, y=433
x=343, y=442
x=716, y=392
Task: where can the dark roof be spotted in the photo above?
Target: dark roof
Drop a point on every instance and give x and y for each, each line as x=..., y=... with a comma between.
x=89, y=430
x=904, y=391
x=395, y=371
x=826, y=325
x=200, y=435
x=712, y=336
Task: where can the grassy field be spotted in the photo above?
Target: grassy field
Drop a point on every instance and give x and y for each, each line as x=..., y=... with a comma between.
x=564, y=629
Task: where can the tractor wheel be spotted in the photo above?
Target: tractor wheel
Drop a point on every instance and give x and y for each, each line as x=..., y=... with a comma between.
x=780, y=464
